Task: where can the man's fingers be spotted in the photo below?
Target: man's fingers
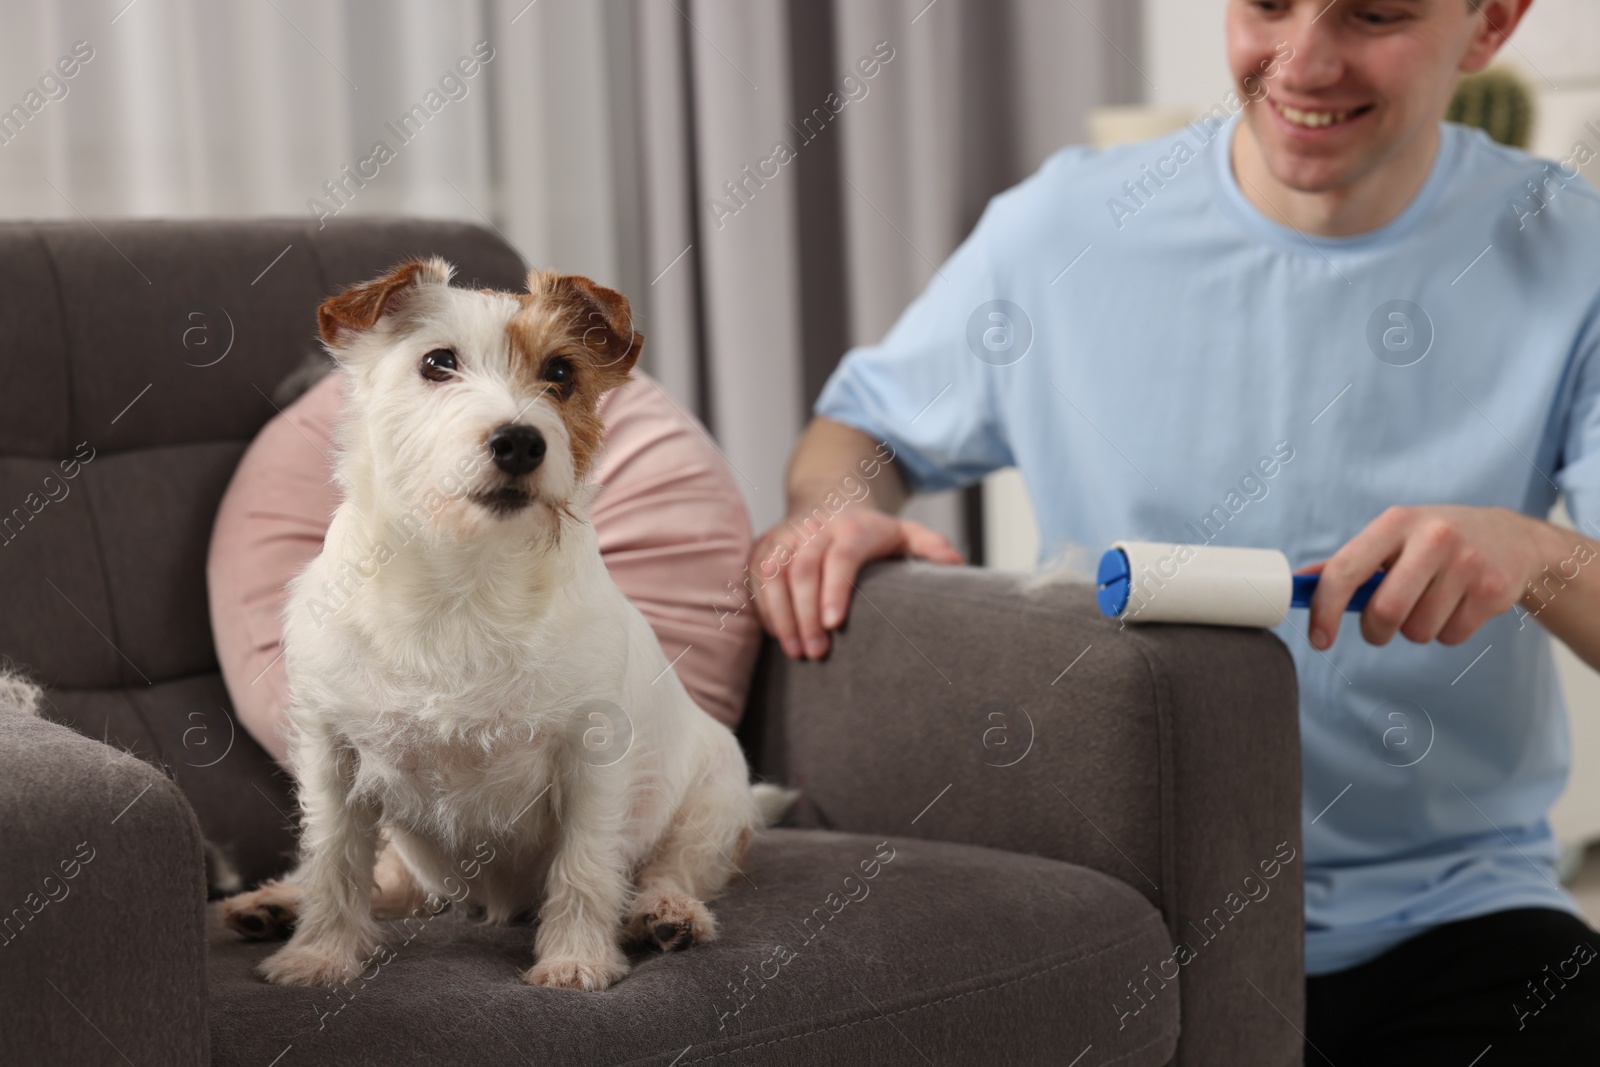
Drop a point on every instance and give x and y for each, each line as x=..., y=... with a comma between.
x=810, y=593
x=840, y=565
x=1424, y=556
x=772, y=601
x=1440, y=601
x=1468, y=617
x=1360, y=558
x=927, y=544
x=804, y=577
x=1486, y=592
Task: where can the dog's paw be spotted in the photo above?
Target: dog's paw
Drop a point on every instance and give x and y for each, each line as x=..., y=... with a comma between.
x=265, y=914
x=313, y=965
x=671, y=921
x=591, y=976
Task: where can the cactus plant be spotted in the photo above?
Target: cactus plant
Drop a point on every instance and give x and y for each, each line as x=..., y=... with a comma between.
x=1497, y=101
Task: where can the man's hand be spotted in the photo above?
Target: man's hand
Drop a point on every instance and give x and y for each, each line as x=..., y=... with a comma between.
x=806, y=572
x=1450, y=569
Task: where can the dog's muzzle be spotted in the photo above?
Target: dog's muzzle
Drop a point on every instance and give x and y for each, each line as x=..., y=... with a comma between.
x=516, y=449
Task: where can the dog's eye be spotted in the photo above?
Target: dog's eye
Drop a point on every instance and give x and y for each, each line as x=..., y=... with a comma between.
x=558, y=371
x=438, y=365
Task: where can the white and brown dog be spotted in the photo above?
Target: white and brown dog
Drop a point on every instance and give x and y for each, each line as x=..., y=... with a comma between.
x=473, y=700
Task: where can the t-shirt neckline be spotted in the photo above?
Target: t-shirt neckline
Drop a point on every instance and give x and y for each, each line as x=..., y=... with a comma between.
x=1275, y=233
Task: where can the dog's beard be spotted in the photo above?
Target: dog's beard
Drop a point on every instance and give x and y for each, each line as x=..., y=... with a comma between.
x=504, y=501
x=512, y=500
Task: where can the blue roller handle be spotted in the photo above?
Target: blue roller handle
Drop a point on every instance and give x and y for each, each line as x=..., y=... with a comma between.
x=1306, y=584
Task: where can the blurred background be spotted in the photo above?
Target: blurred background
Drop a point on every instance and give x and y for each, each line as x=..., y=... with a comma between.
x=770, y=181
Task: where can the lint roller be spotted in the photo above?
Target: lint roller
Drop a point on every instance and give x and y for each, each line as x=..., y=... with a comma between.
x=1142, y=581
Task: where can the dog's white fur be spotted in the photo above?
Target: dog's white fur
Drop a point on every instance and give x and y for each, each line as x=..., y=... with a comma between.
x=440, y=692
x=18, y=694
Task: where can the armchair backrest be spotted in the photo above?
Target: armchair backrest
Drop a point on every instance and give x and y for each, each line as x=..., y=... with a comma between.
x=139, y=360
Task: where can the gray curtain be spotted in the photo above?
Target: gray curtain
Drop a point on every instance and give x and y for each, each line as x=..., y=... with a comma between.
x=749, y=311
x=598, y=140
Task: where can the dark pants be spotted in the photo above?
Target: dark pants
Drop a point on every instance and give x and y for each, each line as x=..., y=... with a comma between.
x=1513, y=987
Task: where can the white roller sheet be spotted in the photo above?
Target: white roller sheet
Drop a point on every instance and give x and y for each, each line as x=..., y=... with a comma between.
x=1206, y=584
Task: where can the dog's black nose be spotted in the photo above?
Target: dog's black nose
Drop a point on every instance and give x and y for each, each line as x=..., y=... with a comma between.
x=516, y=449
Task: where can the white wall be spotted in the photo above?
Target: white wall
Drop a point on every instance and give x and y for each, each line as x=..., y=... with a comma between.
x=1183, y=50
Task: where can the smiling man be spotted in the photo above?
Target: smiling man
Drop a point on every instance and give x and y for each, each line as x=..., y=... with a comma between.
x=1405, y=317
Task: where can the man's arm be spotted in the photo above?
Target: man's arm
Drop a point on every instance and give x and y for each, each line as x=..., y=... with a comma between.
x=827, y=452
x=844, y=490
x=1565, y=597
x=1452, y=568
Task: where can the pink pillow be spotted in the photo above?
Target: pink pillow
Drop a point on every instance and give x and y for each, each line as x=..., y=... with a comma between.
x=672, y=527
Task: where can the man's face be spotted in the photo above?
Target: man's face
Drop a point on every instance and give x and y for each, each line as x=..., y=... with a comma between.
x=1350, y=84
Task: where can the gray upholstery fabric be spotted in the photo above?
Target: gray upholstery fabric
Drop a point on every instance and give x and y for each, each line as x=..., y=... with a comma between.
x=1166, y=757
x=1163, y=769
x=102, y=953
x=957, y=954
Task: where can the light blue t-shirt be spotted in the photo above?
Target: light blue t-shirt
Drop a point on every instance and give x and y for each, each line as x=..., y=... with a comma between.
x=1167, y=364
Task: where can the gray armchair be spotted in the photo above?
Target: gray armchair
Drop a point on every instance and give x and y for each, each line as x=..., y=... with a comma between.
x=1027, y=836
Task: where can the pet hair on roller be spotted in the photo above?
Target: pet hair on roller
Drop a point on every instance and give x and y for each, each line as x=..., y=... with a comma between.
x=1143, y=581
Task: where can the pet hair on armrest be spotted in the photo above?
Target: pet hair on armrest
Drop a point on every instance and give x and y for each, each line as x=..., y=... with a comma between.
x=19, y=695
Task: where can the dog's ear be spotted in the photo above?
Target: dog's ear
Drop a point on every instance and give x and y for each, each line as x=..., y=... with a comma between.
x=603, y=319
x=360, y=307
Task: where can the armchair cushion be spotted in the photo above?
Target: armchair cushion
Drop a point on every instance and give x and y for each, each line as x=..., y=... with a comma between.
x=838, y=949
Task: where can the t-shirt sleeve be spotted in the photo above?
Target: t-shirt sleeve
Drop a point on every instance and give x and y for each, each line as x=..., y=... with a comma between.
x=1579, y=473
x=924, y=388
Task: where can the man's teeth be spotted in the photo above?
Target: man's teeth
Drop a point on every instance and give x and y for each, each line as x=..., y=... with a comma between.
x=1313, y=119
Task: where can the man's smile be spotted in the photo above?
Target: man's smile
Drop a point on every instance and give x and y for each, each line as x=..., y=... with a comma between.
x=1318, y=118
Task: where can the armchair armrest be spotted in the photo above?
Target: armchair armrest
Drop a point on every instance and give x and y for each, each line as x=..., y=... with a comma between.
x=102, y=905
x=971, y=706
